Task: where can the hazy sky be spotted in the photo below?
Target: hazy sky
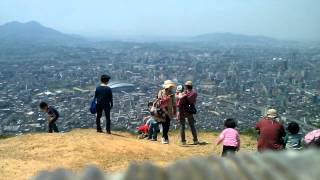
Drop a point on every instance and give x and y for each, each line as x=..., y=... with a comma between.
x=286, y=19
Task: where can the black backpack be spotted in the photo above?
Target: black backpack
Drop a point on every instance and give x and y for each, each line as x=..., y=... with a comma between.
x=191, y=108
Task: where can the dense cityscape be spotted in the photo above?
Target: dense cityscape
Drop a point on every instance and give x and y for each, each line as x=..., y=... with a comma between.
x=165, y=90
x=232, y=81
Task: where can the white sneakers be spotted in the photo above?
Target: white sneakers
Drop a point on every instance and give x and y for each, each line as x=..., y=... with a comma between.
x=164, y=141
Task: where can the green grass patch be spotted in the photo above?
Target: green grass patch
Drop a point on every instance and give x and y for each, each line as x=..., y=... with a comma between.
x=251, y=132
x=5, y=136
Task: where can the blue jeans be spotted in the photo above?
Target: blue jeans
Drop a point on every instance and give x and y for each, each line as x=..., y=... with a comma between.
x=153, y=131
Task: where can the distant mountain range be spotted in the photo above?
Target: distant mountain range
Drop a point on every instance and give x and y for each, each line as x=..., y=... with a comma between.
x=231, y=38
x=16, y=34
x=33, y=33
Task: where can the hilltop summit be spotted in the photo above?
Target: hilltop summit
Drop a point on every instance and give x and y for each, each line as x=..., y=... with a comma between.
x=23, y=156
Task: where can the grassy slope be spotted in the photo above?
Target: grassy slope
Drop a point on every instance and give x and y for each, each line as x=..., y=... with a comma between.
x=23, y=156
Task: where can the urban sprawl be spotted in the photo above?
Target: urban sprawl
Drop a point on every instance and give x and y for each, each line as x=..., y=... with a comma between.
x=232, y=81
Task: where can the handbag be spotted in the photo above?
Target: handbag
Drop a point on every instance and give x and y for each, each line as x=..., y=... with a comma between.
x=93, y=106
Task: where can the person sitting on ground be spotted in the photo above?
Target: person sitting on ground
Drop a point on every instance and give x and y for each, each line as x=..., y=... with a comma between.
x=186, y=99
x=229, y=137
x=53, y=116
x=271, y=132
x=312, y=139
x=150, y=127
x=104, y=98
x=293, y=138
x=143, y=131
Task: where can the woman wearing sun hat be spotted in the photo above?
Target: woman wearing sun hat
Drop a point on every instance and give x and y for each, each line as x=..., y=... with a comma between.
x=271, y=132
x=168, y=104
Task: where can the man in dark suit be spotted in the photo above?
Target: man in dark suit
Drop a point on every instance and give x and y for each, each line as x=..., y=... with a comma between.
x=104, y=98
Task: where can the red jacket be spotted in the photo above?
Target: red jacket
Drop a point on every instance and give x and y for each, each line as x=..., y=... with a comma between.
x=143, y=129
x=271, y=135
x=192, y=96
x=189, y=97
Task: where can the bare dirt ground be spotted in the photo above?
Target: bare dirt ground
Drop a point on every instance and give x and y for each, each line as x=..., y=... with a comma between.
x=23, y=156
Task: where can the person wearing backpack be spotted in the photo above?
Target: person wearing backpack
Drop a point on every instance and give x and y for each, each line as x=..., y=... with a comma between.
x=167, y=104
x=186, y=102
x=104, y=100
x=53, y=116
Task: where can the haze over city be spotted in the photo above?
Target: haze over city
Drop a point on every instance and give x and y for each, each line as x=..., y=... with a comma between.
x=117, y=83
x=285, y=19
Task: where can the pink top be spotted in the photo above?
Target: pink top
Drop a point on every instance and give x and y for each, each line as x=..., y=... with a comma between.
x=312, y=136
x=229, y=137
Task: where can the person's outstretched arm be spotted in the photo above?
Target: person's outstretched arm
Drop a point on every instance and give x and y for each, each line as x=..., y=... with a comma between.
x=220, y=138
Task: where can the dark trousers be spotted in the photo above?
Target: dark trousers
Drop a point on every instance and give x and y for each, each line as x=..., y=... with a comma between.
x=53, y=127
x=228, y=150
x=99, y=115
x=191, y=122
x=166, y=128
x=153, y=131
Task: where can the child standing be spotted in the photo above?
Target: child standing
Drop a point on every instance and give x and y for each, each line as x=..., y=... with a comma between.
x=230, y=138
x=153, y=128
x=293, y=138
x=53, y=116
x=152, y=123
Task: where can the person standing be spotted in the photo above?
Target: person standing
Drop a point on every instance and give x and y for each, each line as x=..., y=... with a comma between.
x=186, y=105
x=229, y=137
x=53, y=115
x=167, y=103
x=153, y=126
x=271, y=132
x=104, y=99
